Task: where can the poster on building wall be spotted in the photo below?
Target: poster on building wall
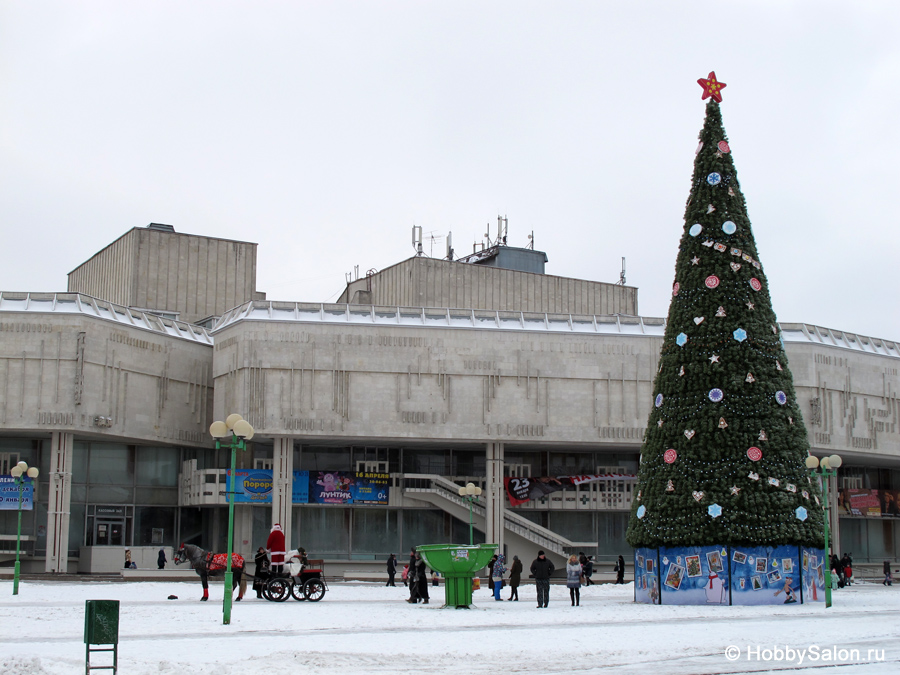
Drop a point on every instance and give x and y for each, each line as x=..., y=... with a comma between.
x=9, y=494
x=523, y=489
x=250, y=486
x=255, y=486
x=869, y=503
x=346, y=487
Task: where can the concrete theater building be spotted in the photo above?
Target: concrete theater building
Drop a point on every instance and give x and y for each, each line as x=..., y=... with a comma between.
x=424, y=377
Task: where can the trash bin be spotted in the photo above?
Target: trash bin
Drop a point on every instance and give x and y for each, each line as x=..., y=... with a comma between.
x=457, y=563
x=101, y=627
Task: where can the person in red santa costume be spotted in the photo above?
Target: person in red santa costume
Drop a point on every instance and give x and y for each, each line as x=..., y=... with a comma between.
x=275, y=547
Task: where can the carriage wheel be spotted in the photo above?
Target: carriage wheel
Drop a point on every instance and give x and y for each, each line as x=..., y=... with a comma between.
x=279, y=590
x=314, y=589
x=297, y=590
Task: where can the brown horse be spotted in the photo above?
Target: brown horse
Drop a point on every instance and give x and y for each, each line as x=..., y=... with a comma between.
x=208, y=564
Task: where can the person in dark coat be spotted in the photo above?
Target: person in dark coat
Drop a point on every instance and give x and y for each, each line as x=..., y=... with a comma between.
x=620, y=570
x=421, y=579
x=261, y=576
x=391, y=569
x=490, y=578
x=411, y=577
x=588, y=570
x=515, y=577
x=161, y=559
x=541, y=569
x=888, y=579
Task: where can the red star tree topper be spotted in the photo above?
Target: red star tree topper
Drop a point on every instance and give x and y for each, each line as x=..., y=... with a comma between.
x=712, y=88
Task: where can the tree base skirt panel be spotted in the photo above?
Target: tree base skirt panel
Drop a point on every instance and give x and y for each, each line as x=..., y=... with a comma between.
x=729, y=575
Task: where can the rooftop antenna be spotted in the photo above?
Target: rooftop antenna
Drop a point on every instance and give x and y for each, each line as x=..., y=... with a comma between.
x=417, y=243
x=622, y=275
x=450, y=246
x=502, y=229
x=531, y=241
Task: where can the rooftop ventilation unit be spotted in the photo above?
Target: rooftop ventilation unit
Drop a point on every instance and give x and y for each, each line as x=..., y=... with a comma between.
x=159, y=227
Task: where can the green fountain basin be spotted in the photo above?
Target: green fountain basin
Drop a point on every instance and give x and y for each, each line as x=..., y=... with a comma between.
x=457, y=563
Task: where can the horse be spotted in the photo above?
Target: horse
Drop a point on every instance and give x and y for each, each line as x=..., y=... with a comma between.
x=208, y=564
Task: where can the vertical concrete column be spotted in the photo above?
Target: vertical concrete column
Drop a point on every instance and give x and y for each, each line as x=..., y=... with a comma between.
x=282, y=478
x=59, y=502
x=494, y=496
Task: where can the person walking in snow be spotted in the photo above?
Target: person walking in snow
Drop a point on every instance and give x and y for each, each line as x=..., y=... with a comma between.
x=620, y=570
x=515, y=577
x=275, y=548
x=541, y=569
x=588, y=570
x=161, y=559
x=391, y=569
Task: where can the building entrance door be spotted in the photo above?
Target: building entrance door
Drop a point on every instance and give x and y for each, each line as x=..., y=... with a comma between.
x=109, y=532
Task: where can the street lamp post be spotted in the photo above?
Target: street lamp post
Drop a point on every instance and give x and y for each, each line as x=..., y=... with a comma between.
x=237, y=431
x=827, y=467
x=19, y=473
x=470, y=493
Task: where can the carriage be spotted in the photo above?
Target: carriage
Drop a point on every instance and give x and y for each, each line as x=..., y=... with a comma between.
x=308, y=585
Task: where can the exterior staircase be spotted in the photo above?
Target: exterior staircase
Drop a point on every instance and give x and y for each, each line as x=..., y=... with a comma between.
x=444, y=494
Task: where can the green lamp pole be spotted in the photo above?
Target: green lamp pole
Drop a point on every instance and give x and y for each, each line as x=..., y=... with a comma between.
x=470, y=493
x=827, y=467
x=237, y=431
x=20, y=472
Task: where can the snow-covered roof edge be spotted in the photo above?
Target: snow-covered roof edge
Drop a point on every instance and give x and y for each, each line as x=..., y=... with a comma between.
x=78, y=303
x=616, y=324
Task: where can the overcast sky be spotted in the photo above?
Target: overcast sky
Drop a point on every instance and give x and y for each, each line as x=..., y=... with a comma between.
x=324, y=131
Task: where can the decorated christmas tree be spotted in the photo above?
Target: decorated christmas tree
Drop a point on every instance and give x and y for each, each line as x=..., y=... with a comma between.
x=723, y=457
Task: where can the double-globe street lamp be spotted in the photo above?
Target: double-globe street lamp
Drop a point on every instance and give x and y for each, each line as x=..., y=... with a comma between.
x=470, y=492
x=20, y=473
x=827, y=467
x=238, y=431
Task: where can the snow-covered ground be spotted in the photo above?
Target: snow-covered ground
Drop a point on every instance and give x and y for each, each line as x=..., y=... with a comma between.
x=367, y=628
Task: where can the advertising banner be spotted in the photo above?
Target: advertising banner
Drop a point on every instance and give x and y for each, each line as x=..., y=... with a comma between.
x=9, y=494
x=254, y=486
x=522, y=489
x=869, y=503
x=347, y=487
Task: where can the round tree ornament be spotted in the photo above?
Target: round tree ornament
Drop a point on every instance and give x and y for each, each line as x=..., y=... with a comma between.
x=696, y=229
x=755, y=284
x=670, y=455
x=754, y=453
x=714, y=178
x=781, y=397
x=716, y=395
x=723, y=146
x=659, y=400
x=728, y=227
x=641, y=511
x=712, y=281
